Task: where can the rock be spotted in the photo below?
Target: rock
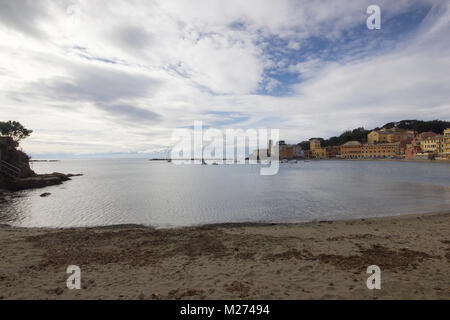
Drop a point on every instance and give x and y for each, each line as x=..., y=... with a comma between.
x=39, y=181
x=59, y=291
x=23, y=176
x=46, y=194
x=74, y=175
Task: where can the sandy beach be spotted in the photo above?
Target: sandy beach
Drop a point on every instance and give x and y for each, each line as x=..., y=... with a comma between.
x=320, y=260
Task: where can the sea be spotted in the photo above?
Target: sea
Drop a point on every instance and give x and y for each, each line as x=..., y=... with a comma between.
x=167, y=195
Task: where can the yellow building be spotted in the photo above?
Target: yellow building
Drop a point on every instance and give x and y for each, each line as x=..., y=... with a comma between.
x=388, y=135
x=376, y=137
x=351, y=150
x=380, y=150
x=316, y=150
x=446, y=144
x=432, y=144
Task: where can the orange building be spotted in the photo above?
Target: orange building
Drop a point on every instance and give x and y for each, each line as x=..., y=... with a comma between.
x=380, y=150
x=351, y=150
x=286, y=152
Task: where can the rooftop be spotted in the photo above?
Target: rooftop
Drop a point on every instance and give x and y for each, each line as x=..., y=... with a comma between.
x=352, y=144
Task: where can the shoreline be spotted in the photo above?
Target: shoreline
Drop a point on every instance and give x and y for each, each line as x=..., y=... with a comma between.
x=313, y=260
x=223, y=224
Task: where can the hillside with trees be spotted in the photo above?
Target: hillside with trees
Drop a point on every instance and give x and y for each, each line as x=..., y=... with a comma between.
x=15, y=171
x=437, y=126
x=360, y=134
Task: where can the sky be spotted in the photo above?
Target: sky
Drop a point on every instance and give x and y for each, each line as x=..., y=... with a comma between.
x=114, y=78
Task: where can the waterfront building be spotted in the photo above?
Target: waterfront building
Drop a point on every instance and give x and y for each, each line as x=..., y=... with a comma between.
x=351, y=150
x=432, y=145
x=316, y=149
x=333, y=151
x=446, y=144
x=286, y=152
x=403, y=144
x=413, y=148
x=307, y=154
x=389, y=135
x=380, y=150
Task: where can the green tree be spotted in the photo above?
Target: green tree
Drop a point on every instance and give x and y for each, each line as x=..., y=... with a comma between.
x=436, y=126
x=14, y=129
x=305, y=145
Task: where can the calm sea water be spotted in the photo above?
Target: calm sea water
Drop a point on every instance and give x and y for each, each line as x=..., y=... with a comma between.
x=161, y=194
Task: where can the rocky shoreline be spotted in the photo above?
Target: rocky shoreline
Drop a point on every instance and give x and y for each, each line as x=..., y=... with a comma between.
x=16, y=173
x=39, y=181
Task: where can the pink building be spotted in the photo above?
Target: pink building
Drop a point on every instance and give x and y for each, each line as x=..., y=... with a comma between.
x=413, y=149
x=403, y=144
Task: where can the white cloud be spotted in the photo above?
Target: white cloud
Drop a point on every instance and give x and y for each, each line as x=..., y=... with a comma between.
x=114, y=76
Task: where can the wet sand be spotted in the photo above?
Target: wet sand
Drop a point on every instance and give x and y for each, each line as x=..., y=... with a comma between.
x=320, y=260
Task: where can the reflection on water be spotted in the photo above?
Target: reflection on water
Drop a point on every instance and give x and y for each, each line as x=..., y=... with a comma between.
x=166, y=195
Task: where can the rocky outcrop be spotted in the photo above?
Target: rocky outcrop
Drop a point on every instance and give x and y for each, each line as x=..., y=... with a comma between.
x=25, y=177
x=15, y=157
x=40, y=181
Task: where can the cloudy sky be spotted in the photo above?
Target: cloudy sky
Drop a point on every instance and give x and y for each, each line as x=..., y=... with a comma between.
x=101, y=77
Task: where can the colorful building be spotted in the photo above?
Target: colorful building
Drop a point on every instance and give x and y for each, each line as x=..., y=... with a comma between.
x=389, y=135
x=403, y=144
x=333, y=151
x=307, y=154
x=317, y=151
x=286, y=152
x=413, y=148
x=380, y=150
x=351, y=150
x=432, y=145
x=426, y=135
x=446, y=144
